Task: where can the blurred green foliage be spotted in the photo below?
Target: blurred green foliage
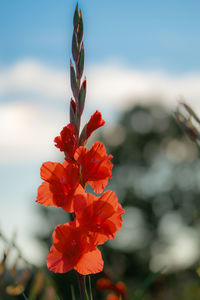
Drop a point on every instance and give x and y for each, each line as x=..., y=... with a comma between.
x=156, y=177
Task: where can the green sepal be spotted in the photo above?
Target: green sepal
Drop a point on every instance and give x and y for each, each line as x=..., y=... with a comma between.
x=81, y=62
x=75, y=51
x=83, y=136
x=74, y=85
x=81, y=98
x=80, y=28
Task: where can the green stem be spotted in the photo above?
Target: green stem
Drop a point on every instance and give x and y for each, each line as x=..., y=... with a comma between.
x=81, y=283
x=82, y=287
x=90, y=287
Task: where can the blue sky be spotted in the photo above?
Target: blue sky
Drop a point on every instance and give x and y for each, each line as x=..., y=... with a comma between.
x=144, y=34
x=134, y=50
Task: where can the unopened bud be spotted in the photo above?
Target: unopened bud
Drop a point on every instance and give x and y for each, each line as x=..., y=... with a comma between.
x=81, y=62
x=80, y=28
x=74, y=47
x=73, y=118
x=74, y=85
x=76, y=17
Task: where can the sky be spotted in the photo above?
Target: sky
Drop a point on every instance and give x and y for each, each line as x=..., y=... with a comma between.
x=135, y=51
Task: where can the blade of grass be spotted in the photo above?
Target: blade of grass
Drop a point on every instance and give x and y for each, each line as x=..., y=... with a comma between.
x=24, y=296
x=146, y=284
x=73, y=293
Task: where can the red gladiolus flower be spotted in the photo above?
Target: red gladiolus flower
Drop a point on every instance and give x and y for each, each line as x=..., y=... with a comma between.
x=71, y=250
x=104, y=284
x=96, y=167
x=61, y=187
x=67, y=141
x=100, y=216
x=120, y=288
x=94, y=123
x=112, y=296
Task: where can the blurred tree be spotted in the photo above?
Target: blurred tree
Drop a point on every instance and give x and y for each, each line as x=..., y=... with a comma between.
x=156, y=177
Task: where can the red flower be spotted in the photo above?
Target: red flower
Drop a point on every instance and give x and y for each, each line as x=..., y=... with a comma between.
x=120, y=288
x=96, y=167
x=61, y=187
x=94, y=123
x=104, y=284
x=70, y=250
x=67, y=141
x=99, y=216
x=112, y=296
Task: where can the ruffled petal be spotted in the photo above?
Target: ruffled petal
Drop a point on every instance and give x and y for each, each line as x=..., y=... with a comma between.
x=96, y=167
x=100, y=216
x=67, y=140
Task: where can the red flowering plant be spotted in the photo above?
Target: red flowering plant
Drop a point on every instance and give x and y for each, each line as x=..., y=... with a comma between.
x=96, y=218
x=117, y=291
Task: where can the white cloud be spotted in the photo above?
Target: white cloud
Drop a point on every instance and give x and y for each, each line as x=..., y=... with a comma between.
x=35, y=78
x=30, y=123
x=119, y=86
x=28, y=131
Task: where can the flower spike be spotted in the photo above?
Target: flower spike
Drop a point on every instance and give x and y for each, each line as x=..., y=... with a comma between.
x=95, y=218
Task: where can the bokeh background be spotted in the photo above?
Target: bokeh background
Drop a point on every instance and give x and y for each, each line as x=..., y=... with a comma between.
x=141, y=58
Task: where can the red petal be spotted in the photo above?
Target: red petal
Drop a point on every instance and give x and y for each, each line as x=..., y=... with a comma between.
x=56, y=262
x=74, y=199
x=51, y=171
x=90, y=263
x=45, y=195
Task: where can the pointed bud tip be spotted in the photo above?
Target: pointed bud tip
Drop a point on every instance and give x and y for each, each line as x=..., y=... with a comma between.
x=84, y=83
